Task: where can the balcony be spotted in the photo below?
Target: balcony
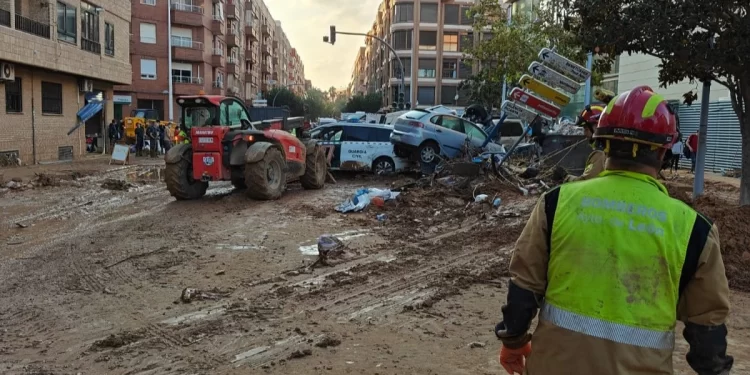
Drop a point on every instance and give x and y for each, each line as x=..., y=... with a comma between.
x=250, y=32
x=186, y=49
x=250, y=78
x=186, y=14
x=233, y=11
x=275, y=60
x=265, y=67
x=265, y=30
x=91, y=46
x=266, y=50
x=217, y=88
x=217, y=26
x=234, y=90
x=233, y=38
x=187, y=85
x=217, y=59
x=30, y=26
x=232, y=67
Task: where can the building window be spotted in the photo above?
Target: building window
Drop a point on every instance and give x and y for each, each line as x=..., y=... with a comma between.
x=148, y=69
x=426, y=96
x=397, y=67
x=427, y=40
x=464, y=70
x=450, y=42
x=109, y=39
x=148, y=33
x=428, y=13
x=51, y=98
x=148, y=2
x=465, y=18
x=13, y=97
x=66, y=23
x=426, y=68
x=403, y=12
x=90, y=29
x=467, y=41
x=402, y=39
x=451, y=14
x=449, y=69
x=182, y=72
x=448, y=95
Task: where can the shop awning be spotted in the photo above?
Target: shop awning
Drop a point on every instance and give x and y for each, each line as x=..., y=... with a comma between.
x=89, y=110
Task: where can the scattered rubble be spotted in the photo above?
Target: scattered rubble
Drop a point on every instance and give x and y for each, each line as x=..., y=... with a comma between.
x=116, y=341
x=118, y=185
x=190, y=294
x=328, y=341
x=301, y=353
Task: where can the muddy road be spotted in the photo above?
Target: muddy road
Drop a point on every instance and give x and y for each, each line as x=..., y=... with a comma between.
x=93, y=271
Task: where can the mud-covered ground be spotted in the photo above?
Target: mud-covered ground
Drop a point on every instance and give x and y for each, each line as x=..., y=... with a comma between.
x=93, y=267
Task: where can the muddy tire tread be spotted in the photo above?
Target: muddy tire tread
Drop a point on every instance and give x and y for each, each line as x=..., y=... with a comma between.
x=315, y=170
x=176, y=177
x=255, y=177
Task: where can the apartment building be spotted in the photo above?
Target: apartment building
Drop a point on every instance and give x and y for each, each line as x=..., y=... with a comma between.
x=56, y=58
x=430, y=37
x=357, y=84
x=220, y=47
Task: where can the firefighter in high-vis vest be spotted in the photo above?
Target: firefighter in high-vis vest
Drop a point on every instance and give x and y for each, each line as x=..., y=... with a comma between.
x=588, y=119
x=181, y=137
x=613, y=263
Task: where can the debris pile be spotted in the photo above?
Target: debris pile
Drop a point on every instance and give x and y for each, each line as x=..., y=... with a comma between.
x=118, y=185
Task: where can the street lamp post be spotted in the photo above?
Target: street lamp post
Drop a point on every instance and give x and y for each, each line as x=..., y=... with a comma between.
x=403, y=71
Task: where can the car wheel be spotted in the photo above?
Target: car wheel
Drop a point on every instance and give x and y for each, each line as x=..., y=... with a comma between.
x=383, y=166
x=429, y=152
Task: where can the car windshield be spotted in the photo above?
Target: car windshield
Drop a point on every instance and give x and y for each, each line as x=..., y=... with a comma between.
x=415, y=115
x=199, y=116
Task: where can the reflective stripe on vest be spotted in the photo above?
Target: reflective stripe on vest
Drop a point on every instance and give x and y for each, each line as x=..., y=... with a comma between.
x=622, y=276
x=607, y=330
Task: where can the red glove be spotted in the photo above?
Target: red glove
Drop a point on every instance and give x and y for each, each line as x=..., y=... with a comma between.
x=514, y=360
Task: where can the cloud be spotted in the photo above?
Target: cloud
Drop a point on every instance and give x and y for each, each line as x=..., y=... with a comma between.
x=305, y=22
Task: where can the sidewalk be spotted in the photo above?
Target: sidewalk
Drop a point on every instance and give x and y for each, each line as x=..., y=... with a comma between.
x=89, y=164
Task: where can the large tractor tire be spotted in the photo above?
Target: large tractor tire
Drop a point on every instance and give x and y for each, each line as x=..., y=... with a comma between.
x=266, y=178
x=180, y=182
x=316, y=169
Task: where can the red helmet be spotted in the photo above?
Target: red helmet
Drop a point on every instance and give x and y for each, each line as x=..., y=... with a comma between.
x=590, y=116
x=639, y=116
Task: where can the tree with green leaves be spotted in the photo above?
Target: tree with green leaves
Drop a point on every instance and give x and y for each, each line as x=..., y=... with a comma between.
x=695, y=40
x=504, y=51
x=369, y=103
x=286, y=98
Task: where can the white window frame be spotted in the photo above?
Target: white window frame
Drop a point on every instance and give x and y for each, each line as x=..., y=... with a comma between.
x=148, y=40
x=148, y=76
x=149, y=2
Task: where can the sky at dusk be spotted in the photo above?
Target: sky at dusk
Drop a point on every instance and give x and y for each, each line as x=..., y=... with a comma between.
x=307, y=21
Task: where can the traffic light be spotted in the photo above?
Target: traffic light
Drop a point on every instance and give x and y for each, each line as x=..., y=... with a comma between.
x=332, y=38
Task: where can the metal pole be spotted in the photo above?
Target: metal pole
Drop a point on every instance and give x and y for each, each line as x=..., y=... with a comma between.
x=702, y=131
x=403, y=71
x=587, y=92
x=169, y=58
x=505, y=83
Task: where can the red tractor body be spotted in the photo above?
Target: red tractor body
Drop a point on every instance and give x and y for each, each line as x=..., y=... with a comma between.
x=226, y=146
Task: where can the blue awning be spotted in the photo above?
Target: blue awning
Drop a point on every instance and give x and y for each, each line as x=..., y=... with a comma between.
x=89, y=110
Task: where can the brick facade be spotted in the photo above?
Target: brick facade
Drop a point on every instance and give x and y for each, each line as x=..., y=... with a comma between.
x=38, y=136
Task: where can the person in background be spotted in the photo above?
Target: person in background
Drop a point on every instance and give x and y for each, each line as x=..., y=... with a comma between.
x=121, y=126
x=676, y=154
x=113, y=132
x=140, y=134
x=152, y=132
x=692, y=145
x=163, y=138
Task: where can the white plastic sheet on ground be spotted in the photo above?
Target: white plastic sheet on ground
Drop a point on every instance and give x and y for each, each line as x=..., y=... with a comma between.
x=363, y=197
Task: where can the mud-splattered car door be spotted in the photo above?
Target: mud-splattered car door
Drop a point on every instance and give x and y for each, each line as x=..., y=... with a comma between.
x=329, y=137
x=356, y=150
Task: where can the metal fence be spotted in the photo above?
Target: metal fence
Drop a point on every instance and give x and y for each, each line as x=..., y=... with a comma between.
x=724, y=147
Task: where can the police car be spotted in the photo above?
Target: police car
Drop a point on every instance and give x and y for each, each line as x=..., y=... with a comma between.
x=356, y=146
